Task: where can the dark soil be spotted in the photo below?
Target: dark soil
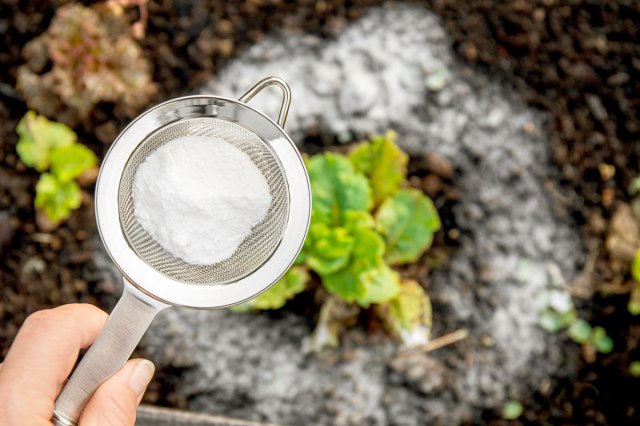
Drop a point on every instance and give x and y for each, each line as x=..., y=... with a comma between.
x=580, y=62
x=577, y=60
x=186, y=42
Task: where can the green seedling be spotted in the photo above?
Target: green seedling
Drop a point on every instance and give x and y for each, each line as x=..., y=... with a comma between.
x=554, y=320
x=512, y=410
x=364, y=221
x=49, y=146
x=634, y=299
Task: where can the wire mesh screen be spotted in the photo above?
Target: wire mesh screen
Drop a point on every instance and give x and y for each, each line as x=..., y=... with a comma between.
x=254, y=250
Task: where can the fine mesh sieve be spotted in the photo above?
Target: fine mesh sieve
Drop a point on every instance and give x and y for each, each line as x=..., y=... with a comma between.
x=254, y=250
x=153, y=278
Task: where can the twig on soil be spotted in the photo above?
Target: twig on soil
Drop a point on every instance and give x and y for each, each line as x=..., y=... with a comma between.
x=41, y=238
x=615, y=288
x=446, y=340
x=439, y=342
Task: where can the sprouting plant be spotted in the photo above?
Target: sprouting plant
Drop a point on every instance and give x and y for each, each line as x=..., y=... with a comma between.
x=560, y=314
x=52, y=149
x=365, y=221
x=634, y=300
x=92, y=58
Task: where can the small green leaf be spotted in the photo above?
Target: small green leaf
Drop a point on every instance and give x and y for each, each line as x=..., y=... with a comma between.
x=634, y=299
x=348, y=282
x=580, y=331
x=634, y=368
x=57, y=199
x=635, y=267
x=408, y=316
x=327, y=248
x=512, y=410
x=345, y=283
x=242, y=308
x=554, y=322
x=382, y=284
x=407, y=221
x=383, y=163
x=38, y=137
x=601, y=341
x=438, y=79
x=70, y=161
x=292, y=283
x=354, y=220
x=337, y=187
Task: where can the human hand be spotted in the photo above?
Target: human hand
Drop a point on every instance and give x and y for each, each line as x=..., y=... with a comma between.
x=42, y=357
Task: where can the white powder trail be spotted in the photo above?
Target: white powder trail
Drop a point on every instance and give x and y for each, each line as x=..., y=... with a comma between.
x=199, y=197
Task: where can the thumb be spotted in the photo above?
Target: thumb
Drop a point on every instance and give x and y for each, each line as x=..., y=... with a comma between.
x=114, y=403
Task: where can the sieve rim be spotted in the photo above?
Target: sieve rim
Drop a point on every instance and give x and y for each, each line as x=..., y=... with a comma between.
x=156, y=284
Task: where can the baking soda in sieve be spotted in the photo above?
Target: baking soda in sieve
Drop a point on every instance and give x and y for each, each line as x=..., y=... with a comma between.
x=199, y=197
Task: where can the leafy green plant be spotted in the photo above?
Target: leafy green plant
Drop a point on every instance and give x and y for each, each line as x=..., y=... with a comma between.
x=562, y=316
x=52, y=149
x=86, y=56
x=292, y=283
x=365, y=220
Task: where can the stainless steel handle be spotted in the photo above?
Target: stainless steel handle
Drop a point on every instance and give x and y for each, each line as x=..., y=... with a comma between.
x=286, y=95
x=124, y=329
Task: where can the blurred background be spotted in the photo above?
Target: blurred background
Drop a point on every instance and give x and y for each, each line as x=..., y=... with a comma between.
x=520, y=121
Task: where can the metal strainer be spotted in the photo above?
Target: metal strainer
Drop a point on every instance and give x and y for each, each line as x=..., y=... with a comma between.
x=154, y=279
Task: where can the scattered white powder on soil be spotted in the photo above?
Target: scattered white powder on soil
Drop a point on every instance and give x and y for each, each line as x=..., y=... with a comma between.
x=199, y=197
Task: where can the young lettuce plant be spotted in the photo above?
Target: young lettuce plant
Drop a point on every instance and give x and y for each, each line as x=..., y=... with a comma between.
x=86, y=56
x=52, y=149
x=365, y=220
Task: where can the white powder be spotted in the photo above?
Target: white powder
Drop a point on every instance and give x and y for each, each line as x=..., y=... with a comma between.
x=199, y=198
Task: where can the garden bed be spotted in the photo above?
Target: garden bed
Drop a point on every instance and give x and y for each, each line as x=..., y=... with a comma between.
x=507, y=258
x=590, y=94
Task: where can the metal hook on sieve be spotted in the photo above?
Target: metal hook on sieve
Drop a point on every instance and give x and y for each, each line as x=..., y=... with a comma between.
x=286, y=95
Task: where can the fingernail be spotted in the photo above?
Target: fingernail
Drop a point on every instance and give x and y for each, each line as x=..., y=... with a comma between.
x=141, y=376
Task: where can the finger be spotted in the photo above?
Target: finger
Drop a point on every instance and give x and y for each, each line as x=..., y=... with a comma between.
x=41, y=358
x=114, y=403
